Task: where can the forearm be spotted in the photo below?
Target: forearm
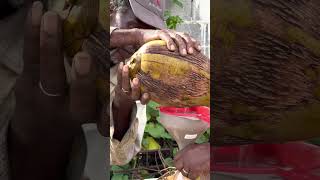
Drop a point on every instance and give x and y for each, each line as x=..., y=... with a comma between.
x=121, y=120
x=123, y=37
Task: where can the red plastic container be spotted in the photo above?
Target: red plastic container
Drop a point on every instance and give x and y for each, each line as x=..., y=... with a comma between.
x=199, y=112
x=290, y=161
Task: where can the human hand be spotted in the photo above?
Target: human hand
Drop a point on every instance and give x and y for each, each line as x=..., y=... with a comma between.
x=183, y=41
x=48, y=112
x=126, y=94
x=193, y=160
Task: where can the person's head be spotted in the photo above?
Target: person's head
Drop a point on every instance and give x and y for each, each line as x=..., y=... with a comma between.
x=123, y=17
x=144, y=14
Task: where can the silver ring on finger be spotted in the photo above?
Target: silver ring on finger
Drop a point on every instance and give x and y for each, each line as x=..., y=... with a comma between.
x=125, y=91
x=185, y=172
x=46, y=92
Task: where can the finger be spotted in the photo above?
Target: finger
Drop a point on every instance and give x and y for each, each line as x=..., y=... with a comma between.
x=52, y=72
x=196, y=44
x=32, y=37
x=188, y=41
x=180, y=42
x=178, y=164
x=119, y=76
x=135, y=89
x=193, y=175
x=145, y=98
x=185, y=171
x=166, y=37
x=125, y=78
x=82, y=89
x=179, y=155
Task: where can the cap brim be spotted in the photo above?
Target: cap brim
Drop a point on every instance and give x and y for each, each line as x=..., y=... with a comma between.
x=146, y=15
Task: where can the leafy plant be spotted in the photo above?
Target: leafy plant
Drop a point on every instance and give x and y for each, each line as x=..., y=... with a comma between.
x=204, y=138
x=156, y=130
x=119, y=176
x=171, y=20
x=150, y=144
x=178, y=3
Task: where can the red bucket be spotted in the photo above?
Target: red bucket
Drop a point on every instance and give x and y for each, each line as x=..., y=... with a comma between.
x=290, y=161
x=199, y=112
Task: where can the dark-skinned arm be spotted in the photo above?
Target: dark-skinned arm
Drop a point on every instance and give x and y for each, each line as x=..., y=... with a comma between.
x=124, y=102
x=123, y=37
x=121, y=117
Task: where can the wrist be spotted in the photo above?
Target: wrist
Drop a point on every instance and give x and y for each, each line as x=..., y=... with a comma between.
x=137, y=35
x=125, y=37
x=121, y=119
x=124, y=105
x=121, y=111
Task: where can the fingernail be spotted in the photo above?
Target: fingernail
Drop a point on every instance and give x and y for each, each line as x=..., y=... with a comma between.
x=50, y=23
x=36, y=13
x=125, y=68
x=135, y=81
x=191, y=50
x=173, y=47
x=184, y=51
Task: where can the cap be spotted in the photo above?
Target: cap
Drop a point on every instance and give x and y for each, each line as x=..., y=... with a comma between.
x=150, y=12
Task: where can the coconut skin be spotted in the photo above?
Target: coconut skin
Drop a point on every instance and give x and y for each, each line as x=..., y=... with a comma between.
x=266, y=71
x=172, y=79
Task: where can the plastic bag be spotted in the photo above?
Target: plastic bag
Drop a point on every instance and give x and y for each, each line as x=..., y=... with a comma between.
x=185, y=125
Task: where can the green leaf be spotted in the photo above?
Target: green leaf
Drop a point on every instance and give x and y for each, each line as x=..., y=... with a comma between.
x=178, y=3
x=169, y=162
x=202, y=139
x=156, y=130
x=166, y=136
x=126, y=167
x=120, y=168
x=151, y=144
x=120, y=177
x=116, y=168
x=173, y=21
x=153, y=105
x=145, y=142
x=152, y=110
x=153, y=129
x=175, y=151
x=208, y=131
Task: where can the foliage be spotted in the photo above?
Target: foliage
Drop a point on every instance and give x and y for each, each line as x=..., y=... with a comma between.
x=155, y=137
x=171, y=20
x=178, y=3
